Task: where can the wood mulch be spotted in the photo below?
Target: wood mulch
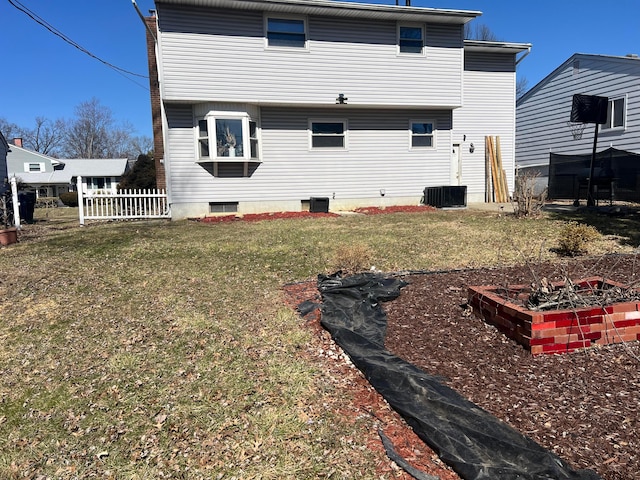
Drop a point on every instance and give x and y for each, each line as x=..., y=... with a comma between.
x=582, y=406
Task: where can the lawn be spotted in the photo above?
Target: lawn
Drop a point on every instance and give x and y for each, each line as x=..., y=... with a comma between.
x=165, y=350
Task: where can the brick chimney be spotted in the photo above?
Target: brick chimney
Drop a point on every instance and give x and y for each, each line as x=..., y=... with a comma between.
x=17, y=142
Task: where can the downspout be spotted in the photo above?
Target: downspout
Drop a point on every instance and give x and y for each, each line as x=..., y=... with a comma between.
x=135, y=5
x=523, y=56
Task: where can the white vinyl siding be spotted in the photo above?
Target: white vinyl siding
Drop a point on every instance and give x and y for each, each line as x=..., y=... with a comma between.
x=200, y=47
x=489, y=110
x=544, y=111
x=378, y=158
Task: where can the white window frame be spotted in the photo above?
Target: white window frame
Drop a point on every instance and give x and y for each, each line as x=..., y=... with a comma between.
x=611, y=114
x=345, y=130
x=286, y=47
x=398, y=39
x=38, y=167
x=432, y=134
x=211, y=137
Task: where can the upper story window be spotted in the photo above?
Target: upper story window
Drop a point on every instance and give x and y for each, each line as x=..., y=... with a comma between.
x=615, y=113
x=227, y=136
x=422, y=134
x=410, y=39
x=286, y=32
x=328, y=134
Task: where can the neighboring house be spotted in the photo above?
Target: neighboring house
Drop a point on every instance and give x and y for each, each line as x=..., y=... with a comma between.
x=49, y=177
x=262, y=106
x=543, y=113
x=4, y=177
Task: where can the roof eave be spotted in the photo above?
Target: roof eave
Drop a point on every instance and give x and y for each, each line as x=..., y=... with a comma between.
x=341, y=9
x=484, y=46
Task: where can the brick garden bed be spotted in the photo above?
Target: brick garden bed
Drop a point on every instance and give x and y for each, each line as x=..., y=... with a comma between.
x=557, y=331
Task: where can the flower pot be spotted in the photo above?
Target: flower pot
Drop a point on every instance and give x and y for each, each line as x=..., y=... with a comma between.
x=8, y=236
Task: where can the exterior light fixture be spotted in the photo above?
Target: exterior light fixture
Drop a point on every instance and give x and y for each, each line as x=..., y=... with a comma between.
x=471, y=148
x=341, y=99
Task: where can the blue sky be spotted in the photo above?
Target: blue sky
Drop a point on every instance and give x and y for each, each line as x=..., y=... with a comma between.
x=45, y=76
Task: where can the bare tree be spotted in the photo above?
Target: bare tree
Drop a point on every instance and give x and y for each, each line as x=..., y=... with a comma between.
x=87, y=134
x=522, y=85
x=10, y=130
x=47, y=137
x=479, y=31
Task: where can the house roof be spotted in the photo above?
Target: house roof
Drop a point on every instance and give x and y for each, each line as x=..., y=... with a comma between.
x=341, y=9
x=72, y=168
x=569, y=61
x=484, y=46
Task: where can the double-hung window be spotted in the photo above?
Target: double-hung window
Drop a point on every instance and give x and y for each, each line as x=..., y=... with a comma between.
x=422, y=134
x=227, y=136
x=328, y=134
x=286, y=32
x=615, y=114
x=410, y=39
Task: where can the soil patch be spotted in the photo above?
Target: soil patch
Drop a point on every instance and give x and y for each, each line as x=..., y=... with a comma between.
x=582, y=406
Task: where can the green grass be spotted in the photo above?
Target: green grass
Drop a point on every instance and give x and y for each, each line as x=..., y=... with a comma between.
x=164, y=350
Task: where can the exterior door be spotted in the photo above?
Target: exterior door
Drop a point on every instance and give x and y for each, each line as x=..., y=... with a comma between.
x=456, y=165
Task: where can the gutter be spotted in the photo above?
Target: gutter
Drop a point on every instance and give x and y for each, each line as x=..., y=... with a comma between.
x=523, y=56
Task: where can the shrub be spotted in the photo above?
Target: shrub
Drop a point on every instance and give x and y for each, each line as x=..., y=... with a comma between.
x=575, y=238
x=70, y=199
x=528, y=197
x=352, y=258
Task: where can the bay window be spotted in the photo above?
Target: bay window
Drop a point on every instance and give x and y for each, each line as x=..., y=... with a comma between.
x=227, y=137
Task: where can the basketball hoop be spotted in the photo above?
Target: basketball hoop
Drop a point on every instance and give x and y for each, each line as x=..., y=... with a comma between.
x=576, y=129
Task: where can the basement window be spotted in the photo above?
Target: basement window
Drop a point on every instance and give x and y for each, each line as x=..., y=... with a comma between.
x=222, y=207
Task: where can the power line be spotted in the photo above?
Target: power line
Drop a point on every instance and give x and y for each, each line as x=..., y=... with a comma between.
x=58, y=33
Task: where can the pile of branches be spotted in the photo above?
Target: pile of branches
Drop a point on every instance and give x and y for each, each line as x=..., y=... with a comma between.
x=545, y=296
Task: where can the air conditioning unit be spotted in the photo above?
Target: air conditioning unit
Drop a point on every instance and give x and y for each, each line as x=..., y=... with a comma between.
x=446, y=196
x=319, y=205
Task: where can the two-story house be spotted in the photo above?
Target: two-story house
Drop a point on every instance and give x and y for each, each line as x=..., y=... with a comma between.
x=548, y=143
x=261, y=106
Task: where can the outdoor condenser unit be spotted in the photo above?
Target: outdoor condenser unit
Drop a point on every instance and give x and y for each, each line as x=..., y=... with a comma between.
x=446, y=196
x=319, y=205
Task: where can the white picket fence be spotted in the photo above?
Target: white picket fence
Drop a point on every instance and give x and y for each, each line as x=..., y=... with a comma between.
x=122, y=205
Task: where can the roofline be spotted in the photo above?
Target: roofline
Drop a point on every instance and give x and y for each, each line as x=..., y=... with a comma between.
x=338, y=8
x=548, y=77
x=54, y=161
x=496, y=47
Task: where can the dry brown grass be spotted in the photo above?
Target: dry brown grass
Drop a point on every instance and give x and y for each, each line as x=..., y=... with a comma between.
x=164, y=350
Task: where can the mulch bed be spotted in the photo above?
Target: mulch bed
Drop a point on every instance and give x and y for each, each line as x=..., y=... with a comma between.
x=582, y=406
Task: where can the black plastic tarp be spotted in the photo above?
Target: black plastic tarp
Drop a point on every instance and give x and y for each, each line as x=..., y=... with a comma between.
x=474, y=443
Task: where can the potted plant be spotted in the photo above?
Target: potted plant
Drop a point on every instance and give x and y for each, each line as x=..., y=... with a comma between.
x=8, y=233
x=230, y=140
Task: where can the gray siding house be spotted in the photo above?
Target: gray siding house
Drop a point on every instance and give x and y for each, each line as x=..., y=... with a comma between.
x=543, y=113
x=49, y=177
x=261, y=106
